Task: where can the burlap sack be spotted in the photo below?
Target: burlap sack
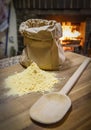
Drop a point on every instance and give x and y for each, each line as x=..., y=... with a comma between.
x=41, y=38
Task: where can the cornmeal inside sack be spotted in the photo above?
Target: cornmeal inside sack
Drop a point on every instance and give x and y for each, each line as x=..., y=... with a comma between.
x=32, y=79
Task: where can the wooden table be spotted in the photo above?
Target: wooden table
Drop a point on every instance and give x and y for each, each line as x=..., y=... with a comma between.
x=14, y=110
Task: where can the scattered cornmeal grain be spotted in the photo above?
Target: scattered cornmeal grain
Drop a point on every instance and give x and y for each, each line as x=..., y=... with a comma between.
x=32, y=79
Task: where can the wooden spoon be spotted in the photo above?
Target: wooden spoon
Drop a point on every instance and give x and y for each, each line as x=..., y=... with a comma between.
x=52, y=107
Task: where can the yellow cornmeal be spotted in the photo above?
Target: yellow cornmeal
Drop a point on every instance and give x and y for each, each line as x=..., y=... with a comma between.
x=32, y=79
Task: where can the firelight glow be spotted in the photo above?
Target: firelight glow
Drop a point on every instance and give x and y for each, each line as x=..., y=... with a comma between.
x=69, y=33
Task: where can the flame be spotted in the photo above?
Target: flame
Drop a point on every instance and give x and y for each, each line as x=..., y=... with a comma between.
x=70, y=35
x=69, y=32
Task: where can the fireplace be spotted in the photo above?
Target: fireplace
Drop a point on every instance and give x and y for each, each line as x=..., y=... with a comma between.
x=73, y=13
x=74, y=31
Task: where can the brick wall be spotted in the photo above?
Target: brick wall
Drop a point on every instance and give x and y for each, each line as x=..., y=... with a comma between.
x=53, y=4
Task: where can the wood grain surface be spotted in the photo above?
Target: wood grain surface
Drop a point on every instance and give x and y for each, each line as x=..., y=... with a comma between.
x=14, y=110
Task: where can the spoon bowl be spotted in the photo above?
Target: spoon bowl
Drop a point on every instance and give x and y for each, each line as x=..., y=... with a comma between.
x=50, y=108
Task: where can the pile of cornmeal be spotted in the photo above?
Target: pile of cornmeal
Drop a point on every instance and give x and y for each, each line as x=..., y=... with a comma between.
x=32, y=79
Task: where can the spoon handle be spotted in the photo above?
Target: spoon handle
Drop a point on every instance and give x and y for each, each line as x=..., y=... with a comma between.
x=67, y=87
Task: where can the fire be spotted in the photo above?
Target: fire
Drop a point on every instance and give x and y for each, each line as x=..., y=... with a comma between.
x=69, y=32
x=71, y=36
